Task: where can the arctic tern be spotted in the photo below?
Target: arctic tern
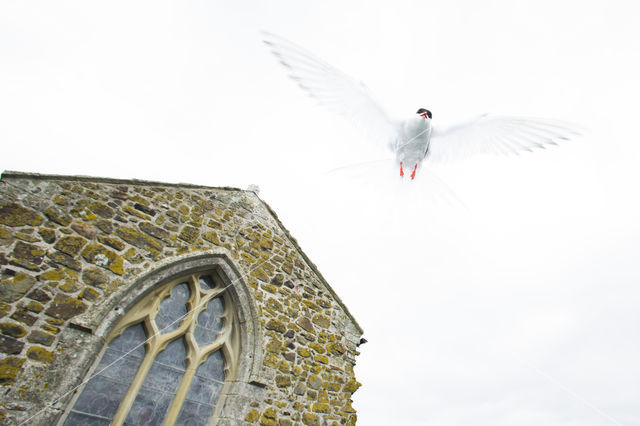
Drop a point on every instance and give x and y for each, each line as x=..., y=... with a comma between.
x=413, y=140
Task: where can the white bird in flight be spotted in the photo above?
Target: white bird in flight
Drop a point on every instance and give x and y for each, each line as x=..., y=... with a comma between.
x=413, y=140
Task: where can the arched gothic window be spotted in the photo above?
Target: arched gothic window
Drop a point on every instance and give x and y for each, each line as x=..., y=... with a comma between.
x=166, y=360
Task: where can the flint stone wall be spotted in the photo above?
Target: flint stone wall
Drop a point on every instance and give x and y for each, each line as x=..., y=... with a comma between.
x=73, y=248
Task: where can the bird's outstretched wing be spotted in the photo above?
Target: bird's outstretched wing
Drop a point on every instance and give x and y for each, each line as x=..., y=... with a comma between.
x=333, y=89
x=497, y=135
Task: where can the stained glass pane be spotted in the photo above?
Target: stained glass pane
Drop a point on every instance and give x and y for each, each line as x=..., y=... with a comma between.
x=149, y=408
x=212, y=368
x=86, y=419
x=206, y=283
x=204, y=391
x=101, y=397
x=160, y=385
x=194, y=414
x=104, y=391
x=209, y=322
x=130, y=340
x=173, y=309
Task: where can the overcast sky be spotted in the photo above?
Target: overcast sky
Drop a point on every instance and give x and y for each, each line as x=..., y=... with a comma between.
x=496, y=291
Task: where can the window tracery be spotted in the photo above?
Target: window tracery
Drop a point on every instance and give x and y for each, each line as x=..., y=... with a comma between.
x=167, y=359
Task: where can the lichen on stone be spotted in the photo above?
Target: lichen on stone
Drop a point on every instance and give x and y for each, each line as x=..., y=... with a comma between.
x=252, y=416
x=15, y=288
x=102, y=256
x=138, y=239
x=12, y=329
x=58, y=216
x=12, y=214
x=10, y=369
x=189, y=234
x=70, y=245
x=28, y=256
x=39, y=354
x=65, y=307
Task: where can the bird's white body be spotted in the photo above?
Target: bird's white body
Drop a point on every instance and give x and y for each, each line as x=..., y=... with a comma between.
x=412, y=142
x=414, y=139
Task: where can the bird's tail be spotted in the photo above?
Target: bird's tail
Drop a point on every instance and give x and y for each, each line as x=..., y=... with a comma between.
x=381, y=177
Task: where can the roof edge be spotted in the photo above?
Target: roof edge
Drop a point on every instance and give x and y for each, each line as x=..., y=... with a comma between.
x=10, y=174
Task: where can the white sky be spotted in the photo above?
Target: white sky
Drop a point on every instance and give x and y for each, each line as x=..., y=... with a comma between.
x=517, y=304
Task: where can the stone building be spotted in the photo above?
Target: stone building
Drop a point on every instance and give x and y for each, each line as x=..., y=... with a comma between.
x=144, y=302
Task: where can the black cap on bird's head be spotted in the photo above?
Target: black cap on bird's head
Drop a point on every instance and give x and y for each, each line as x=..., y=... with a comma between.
x=424, y=112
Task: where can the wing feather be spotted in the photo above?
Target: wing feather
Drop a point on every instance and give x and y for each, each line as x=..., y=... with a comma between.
x=492, y=134
x=333, y=89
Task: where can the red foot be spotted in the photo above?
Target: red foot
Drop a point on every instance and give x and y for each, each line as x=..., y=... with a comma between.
x=413, y=174
x=401, y=171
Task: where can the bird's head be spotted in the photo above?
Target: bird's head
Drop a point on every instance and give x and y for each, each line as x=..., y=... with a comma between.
x=424, y=113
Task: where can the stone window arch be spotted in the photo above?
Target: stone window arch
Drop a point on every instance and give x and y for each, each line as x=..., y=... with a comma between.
x=173, y=353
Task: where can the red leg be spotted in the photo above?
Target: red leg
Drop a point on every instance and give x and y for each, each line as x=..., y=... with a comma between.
x=401, y=171
x=413, y=174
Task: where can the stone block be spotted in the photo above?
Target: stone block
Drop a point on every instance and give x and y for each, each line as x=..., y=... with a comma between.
x=9, y=370
x=310, y=419
x=321, y=407
x=317, y=347
x=96, y=277
x=39, y=295
x=351, y=386
x=305, y=323
x=70, y=245
x=58, y=216
x=144, y=209
x=28, y=255
x=276, y=325
x=65, y=307
x=84, y=229
x=89, y=294
x=252, y=416
x=12, y=214
x=70, y=286
x=155, y=231
x=40, y=337
x=112, y=242
x=48, y=235
x=283, y=381
x=321, y=321
x=102, y=210
x=39, y=354
x=65, y=260
x=336, y=348
x=314, y=382
x=102, y=256
x=189, y=234
x=9, y=345
x=12, y=329
x=52, y=275
x=15, y=288
x=24, y=316
x=300, y=389
x=139, y=239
